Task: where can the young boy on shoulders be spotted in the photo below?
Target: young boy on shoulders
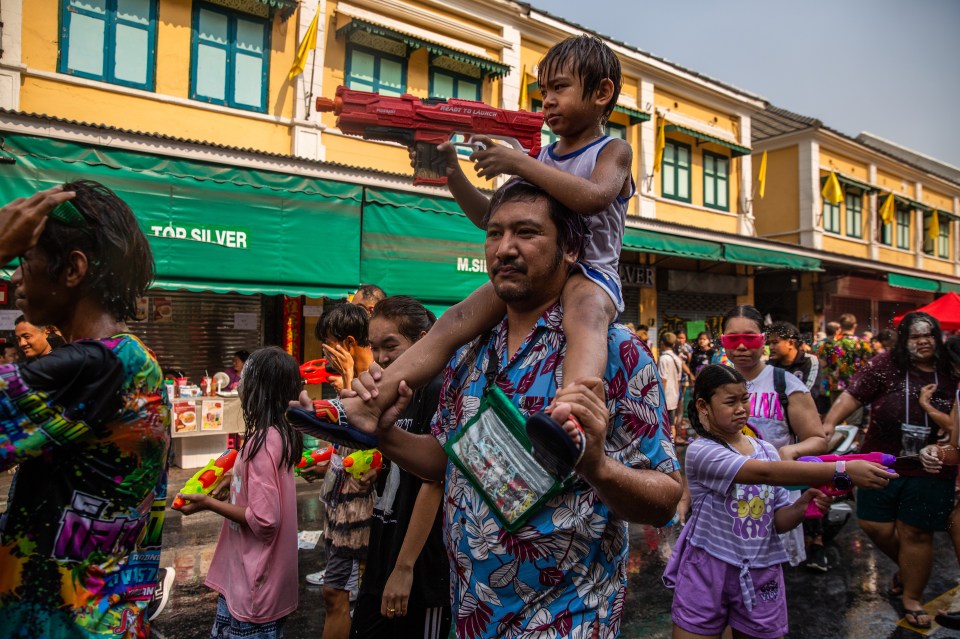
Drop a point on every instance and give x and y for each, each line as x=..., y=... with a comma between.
x=586, y=170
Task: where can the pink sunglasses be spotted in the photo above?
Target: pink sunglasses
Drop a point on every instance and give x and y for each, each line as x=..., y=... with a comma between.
x=750, y=341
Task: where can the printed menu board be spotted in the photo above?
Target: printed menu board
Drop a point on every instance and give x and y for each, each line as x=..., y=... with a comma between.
x=212, y=414
x=184, y=416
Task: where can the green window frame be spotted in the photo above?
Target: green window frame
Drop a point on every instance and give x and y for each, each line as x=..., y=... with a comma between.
x=903, y=228
x=615, y=130
x=716, y=181
x=546, y=135
x=230, y=58
x=886, y=232
x=943, y=239
x=831, y=217
x=854, y=205
x=447, y=84
x=675, y=171
x=113, y=41
x=372, y=70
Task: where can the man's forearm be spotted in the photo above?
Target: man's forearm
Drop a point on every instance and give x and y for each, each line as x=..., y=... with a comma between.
x=840, y=410
x=421, y=455
x=637, y=495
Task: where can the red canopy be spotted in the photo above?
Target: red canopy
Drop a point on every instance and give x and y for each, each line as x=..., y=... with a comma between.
x=946, y=309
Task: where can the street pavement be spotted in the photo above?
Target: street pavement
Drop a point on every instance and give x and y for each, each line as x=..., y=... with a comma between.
x=849, y=601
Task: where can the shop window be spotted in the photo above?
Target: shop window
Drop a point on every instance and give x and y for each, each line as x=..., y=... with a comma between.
x=716, y=181
x=943, y=239
x=109, y=40
x=230, y=58
x=372, y=70
x=903, y=229
x=675, y=171
x=831, y=217
x=854, y=204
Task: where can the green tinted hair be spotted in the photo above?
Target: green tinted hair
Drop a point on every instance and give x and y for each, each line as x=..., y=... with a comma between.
x=590, y=59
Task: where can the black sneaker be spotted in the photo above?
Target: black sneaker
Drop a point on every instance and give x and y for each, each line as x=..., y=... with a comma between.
x=817, y=558
x=161, y=593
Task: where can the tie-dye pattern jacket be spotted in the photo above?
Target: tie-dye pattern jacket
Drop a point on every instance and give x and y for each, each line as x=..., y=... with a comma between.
x=80, y=539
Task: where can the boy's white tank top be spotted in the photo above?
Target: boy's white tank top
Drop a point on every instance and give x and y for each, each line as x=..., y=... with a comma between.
x=602, y=250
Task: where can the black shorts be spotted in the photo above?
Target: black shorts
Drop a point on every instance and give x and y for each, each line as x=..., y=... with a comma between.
x=921, y=502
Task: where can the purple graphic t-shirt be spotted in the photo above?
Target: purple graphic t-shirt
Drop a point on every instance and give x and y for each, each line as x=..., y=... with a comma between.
x=734, y=522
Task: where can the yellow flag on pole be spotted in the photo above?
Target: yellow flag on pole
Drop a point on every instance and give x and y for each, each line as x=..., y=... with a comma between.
x=524, y=92
x=308, y=44
x=661, y=142
x=887, y=210
x=934, y=225
x=762, y=175
x=832, y=192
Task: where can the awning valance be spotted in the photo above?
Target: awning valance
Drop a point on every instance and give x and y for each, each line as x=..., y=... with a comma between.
x=754, y=256
x=853, y=183
x=420, y=246
x=284, y=7
x=911, y=282
x=212, y=227
x=636, y=117
x=666, y=244
x=736, y=149
x=488, y=67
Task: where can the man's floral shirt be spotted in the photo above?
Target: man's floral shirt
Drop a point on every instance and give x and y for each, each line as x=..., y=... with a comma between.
x=563, y=573
x=842, y=359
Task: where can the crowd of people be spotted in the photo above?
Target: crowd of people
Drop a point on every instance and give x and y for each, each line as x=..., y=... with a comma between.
x=523, y=429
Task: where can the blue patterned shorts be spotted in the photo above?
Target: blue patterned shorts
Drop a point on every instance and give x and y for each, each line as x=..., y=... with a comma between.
x=226, y=627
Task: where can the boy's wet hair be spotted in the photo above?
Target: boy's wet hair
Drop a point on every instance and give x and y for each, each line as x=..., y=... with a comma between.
x=590, y=59
x=120, y=262
x=571, y=228
x=343, y=321
x=784, y=331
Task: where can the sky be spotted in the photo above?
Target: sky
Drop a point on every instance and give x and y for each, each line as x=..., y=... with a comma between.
x=889, y=67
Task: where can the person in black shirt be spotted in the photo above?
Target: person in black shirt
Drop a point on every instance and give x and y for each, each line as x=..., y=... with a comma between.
x=784, y=341
x=405, y=591
x=703, y=352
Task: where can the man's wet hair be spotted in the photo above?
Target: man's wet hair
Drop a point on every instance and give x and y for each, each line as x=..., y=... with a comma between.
x=590, y=59
x=571, y=228
x=370, y=291
x=119, y=260
x=784, y=330
x=343, y=321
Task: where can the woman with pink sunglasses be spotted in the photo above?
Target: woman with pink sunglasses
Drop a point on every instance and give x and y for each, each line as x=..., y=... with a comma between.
x=794, y=429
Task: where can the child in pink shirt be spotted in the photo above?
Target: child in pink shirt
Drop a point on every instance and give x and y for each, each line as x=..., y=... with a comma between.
x=255, y=565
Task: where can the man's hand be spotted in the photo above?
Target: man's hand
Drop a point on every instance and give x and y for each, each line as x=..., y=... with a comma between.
x=396, y=593
x=365, y=389
x=584, y=400
x=448, y=151
x=23, y=220
x=496, y=159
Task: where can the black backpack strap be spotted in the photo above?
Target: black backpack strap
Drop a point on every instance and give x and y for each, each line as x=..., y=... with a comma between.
x=780, y=386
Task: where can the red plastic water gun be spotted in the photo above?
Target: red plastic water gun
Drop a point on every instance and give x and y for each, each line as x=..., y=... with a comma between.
x=813, y=512
x=311, y=458
x=422, y=124
x=315, y=372
x=206, y=479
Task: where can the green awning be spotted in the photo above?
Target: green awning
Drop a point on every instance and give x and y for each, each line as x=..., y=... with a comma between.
x=910, y=203
x=945, y=214
x=488, y=67
x=636, y=117
x=949, y=287
x=736, y=149
x=212, y=227
x=915, y=283
x=420, y=246
x=666, y=244
x=754, y=256
x=851, y=182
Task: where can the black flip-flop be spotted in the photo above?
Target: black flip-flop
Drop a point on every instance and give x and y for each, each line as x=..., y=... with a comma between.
x=328, y=422
x=907, y=614
x=552, y=446
x=949, y=620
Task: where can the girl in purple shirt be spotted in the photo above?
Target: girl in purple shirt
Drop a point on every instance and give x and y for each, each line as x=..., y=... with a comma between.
x=726, y=567
x=255, y=565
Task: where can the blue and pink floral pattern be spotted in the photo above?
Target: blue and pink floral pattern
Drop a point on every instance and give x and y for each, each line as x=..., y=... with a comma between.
x=562, y=574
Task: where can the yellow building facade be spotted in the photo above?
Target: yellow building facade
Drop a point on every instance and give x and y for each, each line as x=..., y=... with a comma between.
x=891, y=241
